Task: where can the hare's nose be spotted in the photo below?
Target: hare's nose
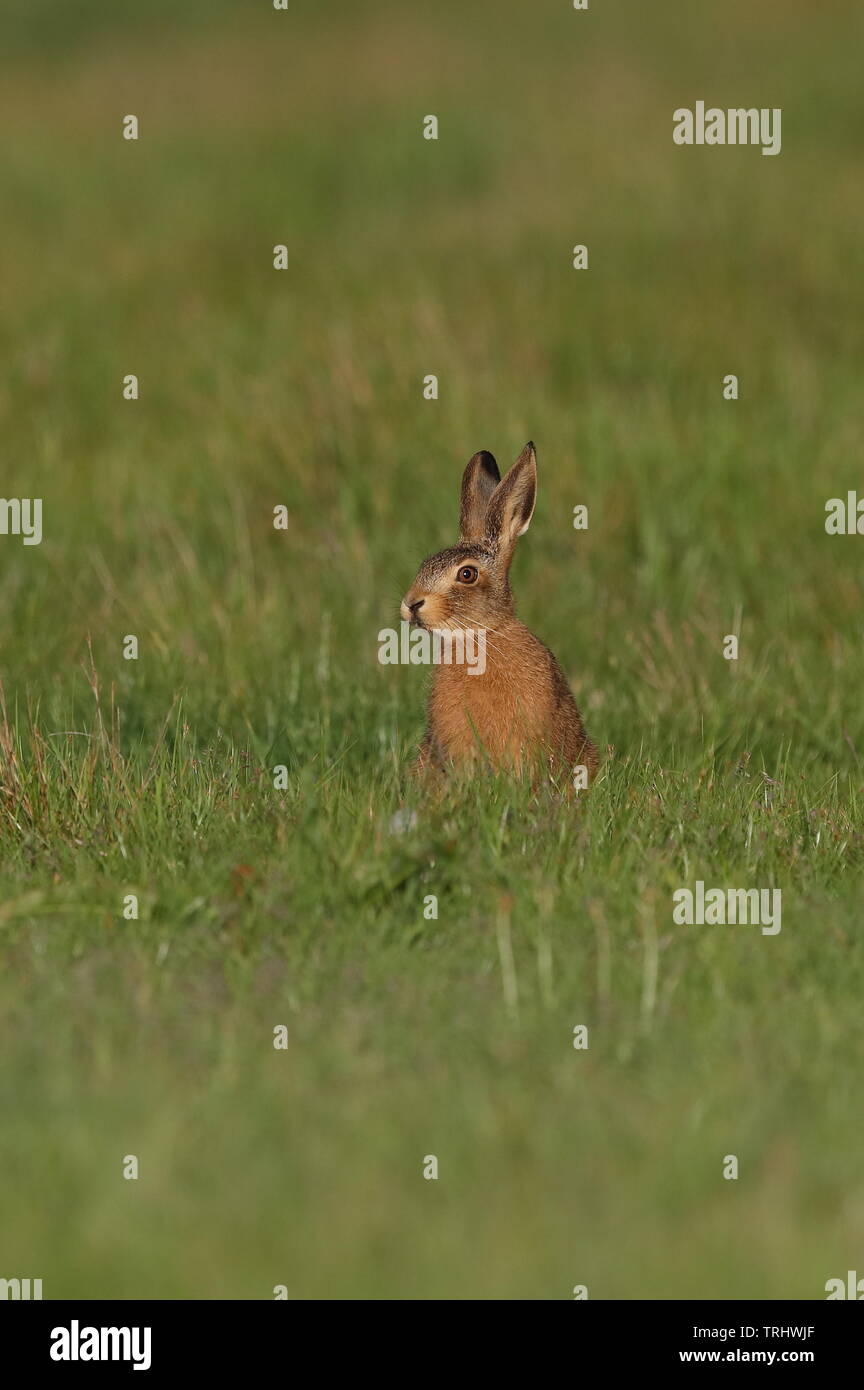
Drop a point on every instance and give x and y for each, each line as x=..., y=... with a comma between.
x=410, y=610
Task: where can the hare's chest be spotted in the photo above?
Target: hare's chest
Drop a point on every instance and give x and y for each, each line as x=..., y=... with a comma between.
x=484, y=716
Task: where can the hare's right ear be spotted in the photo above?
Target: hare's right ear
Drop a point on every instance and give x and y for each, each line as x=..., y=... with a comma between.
x=479, y=481
x=512, y=506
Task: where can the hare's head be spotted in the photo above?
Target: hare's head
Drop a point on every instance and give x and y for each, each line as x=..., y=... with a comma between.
x=467, y=585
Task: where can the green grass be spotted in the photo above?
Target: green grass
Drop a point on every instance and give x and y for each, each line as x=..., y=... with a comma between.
x=304, y=906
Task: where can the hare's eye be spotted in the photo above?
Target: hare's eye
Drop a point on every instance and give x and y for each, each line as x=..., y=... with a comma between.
x=467, y=574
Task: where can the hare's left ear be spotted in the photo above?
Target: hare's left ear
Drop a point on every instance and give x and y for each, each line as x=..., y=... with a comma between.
x=479, y=481
x=512, y=503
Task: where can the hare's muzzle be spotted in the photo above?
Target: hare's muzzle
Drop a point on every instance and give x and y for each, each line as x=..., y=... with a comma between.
x=410, y=610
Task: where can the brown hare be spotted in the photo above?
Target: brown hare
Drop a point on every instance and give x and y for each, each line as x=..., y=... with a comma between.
x=519, y=714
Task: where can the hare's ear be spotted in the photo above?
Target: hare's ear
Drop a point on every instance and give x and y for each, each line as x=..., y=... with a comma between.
x=479, y=481
x=512, y=503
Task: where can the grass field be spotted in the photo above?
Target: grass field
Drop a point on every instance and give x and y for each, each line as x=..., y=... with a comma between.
x=304, y=906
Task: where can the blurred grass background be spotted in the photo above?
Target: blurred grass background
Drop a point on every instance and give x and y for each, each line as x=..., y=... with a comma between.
x=305, y=906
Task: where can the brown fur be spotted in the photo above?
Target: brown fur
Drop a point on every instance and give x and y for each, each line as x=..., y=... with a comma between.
x=519, y=715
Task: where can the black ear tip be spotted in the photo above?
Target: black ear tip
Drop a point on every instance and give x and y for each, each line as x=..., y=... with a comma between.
x=528, y=456
x=483, y=459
